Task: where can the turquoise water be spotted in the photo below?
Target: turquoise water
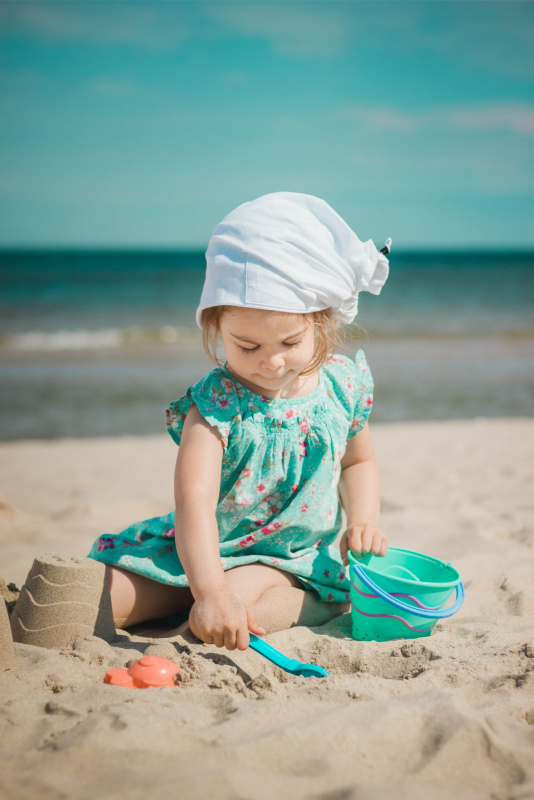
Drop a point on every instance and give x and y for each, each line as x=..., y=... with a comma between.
x=426, y=293
x=95, y=343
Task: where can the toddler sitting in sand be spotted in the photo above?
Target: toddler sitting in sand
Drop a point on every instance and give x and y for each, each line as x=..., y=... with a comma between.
x=270, y=440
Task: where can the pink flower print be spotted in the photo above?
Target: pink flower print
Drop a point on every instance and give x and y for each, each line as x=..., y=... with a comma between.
x=260, y=487
x=169, y=548
x=303, y=450
x=227, y=384
x=223, y=402
x=304, y=508
x=347, y=595
x=304, y=426
x=271, y=528
x=369, y=401
x=290, y=413
x=330, y=596
x=169, y=533
x=295, y=487
x=105, y=543
x=258, y=522
x=326, y=573
x=247, y=541
x=334, y=360
x=319, y=543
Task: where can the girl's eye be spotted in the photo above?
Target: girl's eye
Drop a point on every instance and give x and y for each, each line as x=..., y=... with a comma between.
x=253, y=349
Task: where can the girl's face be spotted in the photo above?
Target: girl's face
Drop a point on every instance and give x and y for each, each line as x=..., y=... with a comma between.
x=267, y=350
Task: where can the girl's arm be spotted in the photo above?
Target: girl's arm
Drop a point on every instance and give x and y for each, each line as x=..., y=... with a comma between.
x=218, y=616
x=359, y=489
x=197, y=480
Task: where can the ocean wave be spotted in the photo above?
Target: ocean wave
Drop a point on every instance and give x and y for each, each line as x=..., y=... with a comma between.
x=97, y=339
x=108, y=338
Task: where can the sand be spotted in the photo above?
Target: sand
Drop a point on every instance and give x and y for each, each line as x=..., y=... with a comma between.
x=447, y=716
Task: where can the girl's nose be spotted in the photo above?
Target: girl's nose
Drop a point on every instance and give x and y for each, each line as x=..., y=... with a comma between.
x=274, y=361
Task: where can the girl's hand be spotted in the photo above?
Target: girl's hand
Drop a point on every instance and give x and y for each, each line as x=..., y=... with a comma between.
x=365, y=537
x=224, y=620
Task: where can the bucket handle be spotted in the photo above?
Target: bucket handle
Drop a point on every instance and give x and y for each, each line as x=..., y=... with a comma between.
x=418, y=612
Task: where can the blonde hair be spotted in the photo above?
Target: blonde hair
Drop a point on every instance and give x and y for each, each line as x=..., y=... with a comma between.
x=327, y=331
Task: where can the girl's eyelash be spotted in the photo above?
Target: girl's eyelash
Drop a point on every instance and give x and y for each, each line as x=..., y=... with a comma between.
x=253, y=349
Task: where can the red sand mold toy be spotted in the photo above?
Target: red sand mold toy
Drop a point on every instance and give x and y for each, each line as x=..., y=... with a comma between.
x=148, y=671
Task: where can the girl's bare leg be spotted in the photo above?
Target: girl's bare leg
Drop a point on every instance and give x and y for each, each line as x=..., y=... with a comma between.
x=137, y=599
x=277, y=598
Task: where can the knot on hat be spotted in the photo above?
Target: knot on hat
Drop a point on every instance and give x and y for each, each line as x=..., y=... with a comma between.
x=290, y=252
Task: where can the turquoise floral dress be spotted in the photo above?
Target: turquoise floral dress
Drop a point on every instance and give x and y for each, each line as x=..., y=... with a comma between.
x=279, y=502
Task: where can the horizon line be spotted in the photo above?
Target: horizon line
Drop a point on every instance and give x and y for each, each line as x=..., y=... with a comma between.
x=191, y=249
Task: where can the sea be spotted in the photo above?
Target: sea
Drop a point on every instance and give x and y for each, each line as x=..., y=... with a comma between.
x=97, y=343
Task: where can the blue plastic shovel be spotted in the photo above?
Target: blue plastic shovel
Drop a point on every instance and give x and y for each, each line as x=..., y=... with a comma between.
x=288, y=664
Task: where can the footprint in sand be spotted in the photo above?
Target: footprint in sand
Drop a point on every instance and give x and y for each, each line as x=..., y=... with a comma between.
x=514, y=601
x=399, y=663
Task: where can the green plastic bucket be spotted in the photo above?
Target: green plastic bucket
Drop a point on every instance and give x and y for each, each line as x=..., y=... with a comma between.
x=400, y=595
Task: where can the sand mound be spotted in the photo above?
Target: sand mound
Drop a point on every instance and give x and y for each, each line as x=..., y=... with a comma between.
x=62, y=598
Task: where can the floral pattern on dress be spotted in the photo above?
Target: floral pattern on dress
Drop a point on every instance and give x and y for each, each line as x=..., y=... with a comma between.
x=279, y=502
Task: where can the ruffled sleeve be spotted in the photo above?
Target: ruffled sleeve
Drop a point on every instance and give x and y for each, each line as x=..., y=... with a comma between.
x=352, y=387
x=216, y=398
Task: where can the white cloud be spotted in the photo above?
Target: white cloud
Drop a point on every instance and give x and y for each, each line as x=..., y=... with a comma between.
x=114, y=87
x=101, y=23
x=514, y=117
x=493, y=37
x=294, y=29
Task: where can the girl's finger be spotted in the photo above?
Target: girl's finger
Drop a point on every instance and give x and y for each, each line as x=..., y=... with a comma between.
x=343, y=550
x=355, y=540
x=253, y=624
x=218, y=640
x=242, y=639
x=377, y=543
x=230, y=639
x=384, y=547
x=367, y=539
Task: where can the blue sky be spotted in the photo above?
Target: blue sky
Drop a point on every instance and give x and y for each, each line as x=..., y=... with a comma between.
x=143, y=123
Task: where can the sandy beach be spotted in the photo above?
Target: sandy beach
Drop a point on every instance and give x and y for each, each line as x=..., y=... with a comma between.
x=447, y=716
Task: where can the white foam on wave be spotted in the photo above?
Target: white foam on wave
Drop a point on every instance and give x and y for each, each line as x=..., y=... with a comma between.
x=95, y=340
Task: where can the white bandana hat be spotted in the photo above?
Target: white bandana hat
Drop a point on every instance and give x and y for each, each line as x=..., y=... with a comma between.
x=290, y=252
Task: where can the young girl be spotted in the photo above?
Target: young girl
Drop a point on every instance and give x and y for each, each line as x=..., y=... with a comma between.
x=269, y=441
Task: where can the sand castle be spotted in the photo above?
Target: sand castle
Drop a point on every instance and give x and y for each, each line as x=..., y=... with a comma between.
x=62, y=600
x=7, y=655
